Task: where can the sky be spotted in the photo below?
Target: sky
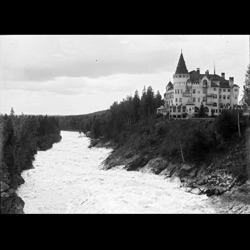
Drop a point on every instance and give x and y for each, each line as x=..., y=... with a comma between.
x=80, y=74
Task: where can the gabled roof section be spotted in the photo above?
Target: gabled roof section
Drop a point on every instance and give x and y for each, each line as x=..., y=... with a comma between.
x=170, y=86
x=195, y=77
x=216, y=80
x=224, y=84
x=181, y=67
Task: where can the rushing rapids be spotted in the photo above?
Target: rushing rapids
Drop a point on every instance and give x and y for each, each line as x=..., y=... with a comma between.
x=69, y=179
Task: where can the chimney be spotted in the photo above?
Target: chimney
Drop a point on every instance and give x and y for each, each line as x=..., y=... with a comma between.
x=198, y=70
x=207, y=72
x=223, y=75
x=231, y=82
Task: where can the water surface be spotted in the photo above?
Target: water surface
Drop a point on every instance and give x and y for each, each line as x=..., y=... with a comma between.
x=69, y=179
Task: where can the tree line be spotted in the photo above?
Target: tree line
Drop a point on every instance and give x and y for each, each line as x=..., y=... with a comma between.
x=120, y=117
x=21, y=137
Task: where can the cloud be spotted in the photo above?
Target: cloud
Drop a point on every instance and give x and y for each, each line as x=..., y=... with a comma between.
x=74, y=65
x=80, y=56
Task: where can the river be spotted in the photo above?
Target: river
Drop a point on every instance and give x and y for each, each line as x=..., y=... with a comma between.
x=69, y=179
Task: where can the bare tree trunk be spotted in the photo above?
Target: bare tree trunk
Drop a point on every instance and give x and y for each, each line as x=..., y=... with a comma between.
x=182, y=156
x=239, y=124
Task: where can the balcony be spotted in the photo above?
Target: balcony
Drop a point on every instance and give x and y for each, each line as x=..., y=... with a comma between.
x=186, y=94
x=210, y=95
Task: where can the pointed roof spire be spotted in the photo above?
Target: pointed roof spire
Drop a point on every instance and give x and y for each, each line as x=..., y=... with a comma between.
x=214, y=69
x=181, y=67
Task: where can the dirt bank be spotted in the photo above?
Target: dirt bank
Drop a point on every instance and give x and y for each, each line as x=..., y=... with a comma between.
x=229, y=190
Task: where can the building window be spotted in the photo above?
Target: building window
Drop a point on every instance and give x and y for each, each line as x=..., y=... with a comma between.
x=180, y=100
x=220, y=96
x=199, y=99
x=228, y=90
x=181, y=90
x=204, y=91
x=215, y=104
x=235, y=97
x=214, y=89
x=224, y=97
x=178, y=91
x=194, y=99
x=235, y=90
x=176, y=100
x=204, y=99
x=198, y=92
x=215, y=96
x=194, y=91
x=228, y=97
x=224, y=90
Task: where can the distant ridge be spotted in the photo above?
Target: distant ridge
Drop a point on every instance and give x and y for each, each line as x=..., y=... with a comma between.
x=89, y=114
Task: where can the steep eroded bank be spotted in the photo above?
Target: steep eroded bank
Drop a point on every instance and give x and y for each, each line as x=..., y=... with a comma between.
x=222, y=176
x=20, y=138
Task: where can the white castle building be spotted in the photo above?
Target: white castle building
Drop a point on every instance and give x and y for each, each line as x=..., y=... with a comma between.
x=183, y=97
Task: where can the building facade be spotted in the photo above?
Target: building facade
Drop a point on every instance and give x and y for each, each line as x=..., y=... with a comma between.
x=189, y=90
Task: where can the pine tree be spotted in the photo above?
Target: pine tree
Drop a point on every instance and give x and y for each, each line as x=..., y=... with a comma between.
x=150, y=101
x=136, y=106
x=246, y=95
x=202, y=112
x=12, y=112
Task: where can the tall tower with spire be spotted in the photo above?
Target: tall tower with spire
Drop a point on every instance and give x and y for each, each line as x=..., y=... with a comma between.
x=181, y=67
x=180, y=79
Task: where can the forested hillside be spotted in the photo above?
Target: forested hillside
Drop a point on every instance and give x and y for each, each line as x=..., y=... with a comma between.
x=21, y=137
x=140, y=137
x=114, y=122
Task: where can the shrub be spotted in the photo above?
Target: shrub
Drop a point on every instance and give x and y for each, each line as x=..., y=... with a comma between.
x=226, y=124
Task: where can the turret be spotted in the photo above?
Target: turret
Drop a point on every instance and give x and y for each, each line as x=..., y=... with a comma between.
x=181, y=67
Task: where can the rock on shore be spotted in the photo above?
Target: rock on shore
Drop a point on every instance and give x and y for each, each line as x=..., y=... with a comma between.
x=10, y=202
x=230, y=192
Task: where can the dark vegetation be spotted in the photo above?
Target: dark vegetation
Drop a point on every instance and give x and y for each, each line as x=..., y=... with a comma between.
x=21, y=137
x=133, y=124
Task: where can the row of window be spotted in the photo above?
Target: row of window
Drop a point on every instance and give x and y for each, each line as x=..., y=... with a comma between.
x=186, y=76
x=196, y=109
x=226, y=97
x=177, y=91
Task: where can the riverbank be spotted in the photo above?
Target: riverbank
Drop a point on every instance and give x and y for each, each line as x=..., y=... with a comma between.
x=11, y=203
x=217, y=178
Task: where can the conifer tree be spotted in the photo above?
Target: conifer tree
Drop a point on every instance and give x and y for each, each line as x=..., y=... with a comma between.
x=202, y=112
x=246, y=94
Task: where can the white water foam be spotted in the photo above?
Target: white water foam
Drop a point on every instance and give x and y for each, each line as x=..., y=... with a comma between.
x=69, y=179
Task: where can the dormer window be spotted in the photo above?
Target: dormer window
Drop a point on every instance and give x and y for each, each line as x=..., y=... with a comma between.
x=204, y=83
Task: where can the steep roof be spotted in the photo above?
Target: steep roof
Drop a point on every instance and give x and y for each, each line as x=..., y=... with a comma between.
x=170, y=85
x=196, y=77
x=181, y=67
